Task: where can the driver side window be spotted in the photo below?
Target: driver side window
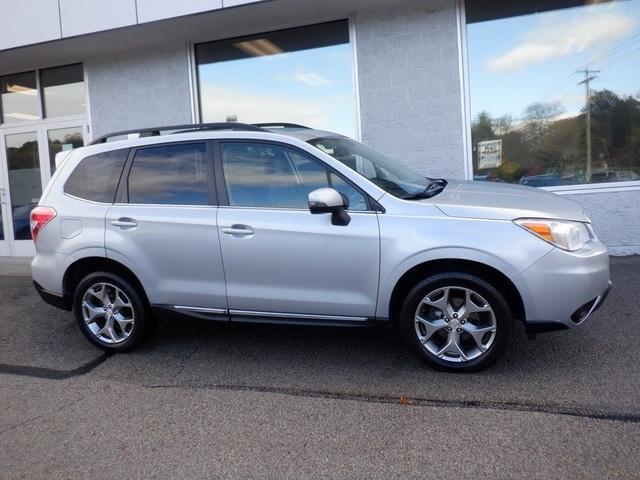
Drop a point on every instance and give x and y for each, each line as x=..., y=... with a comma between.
x=265, y=175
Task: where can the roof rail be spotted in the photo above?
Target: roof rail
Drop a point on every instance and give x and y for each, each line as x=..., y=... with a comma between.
x=280, y=124
x=154, y=132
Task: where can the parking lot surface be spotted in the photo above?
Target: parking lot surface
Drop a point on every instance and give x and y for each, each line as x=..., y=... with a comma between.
x=237, y=401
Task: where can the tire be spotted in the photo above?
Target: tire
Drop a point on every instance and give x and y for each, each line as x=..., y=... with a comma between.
x=452, y=336
x=111, y=313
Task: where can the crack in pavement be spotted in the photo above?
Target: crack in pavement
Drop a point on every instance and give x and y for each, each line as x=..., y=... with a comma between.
x=53, y=374
x=595, y=414
x=552, y=409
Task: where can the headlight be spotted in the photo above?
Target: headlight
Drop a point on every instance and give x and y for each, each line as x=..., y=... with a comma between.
x=564, y=234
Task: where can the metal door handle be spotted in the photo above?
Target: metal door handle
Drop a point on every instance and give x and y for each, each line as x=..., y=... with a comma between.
x=124, y=223
x=238, y=230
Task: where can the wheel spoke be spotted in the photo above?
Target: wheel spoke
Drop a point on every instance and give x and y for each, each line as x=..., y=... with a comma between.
x=478, y=333
x=441, y=304
x=430, y=327
x=121, y=302
x=452, y=347
x=105, y=295
x=93, y=312
x=97, y=295
x=471, y=307
x=108, y=331
x=122, y=321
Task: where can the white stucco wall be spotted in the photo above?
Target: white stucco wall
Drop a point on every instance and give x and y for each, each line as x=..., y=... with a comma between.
x=141, y=88
x=408, y=73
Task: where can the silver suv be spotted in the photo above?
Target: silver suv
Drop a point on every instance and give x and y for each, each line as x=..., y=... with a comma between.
x=278, y=223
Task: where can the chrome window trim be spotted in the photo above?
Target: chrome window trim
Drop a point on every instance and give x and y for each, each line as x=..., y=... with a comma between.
x=290, y=209
x=174, y=205
x=85, y=199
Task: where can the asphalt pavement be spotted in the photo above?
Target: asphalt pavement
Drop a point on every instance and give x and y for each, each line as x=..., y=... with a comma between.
x=221, y=401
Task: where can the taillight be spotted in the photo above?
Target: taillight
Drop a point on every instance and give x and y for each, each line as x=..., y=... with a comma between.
x=40, y=216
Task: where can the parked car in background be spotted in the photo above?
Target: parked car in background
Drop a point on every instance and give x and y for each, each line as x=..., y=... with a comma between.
x=278, y=223
x=546, y=180
x=614, y=176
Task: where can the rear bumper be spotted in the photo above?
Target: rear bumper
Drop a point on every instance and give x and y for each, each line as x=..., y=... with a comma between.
x=51, y=298
x=563, y=289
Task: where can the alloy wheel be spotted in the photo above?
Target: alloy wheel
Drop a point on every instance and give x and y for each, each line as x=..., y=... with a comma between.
x=108, y=313
x=455, y=324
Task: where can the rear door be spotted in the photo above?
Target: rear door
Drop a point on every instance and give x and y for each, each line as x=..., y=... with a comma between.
x=280, y=260
x=163, y=226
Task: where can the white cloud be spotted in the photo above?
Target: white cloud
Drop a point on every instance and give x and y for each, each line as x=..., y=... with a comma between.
x=556, y=36
x=220, y=102
x=311, y=79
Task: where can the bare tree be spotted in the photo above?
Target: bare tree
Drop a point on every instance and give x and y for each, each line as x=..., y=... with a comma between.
x=537, y=120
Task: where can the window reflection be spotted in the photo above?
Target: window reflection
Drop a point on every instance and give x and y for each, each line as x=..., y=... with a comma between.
x=25, y=186
x=174, y=174
x=19, y=96
x=555, y=95
x=63, y=89
x=300, y=75
x=262, y=175
x=62, y=139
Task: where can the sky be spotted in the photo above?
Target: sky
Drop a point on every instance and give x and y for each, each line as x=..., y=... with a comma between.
x=311, y=87
x=516, y=61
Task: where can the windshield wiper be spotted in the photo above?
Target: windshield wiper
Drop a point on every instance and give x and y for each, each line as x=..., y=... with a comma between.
x=436, y=185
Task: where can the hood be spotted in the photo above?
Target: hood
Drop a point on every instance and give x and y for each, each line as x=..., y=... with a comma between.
x=502, y=201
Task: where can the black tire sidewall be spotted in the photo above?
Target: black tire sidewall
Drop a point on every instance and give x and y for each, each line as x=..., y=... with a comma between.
x=485, y=289
x=141, y=323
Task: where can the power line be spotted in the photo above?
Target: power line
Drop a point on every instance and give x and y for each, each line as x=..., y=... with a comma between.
x=621, y=58
x=612, y=51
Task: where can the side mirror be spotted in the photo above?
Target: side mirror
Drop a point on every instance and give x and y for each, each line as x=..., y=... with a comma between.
x=328, y=200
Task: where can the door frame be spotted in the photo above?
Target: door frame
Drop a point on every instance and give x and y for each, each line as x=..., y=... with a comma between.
x=26, y=248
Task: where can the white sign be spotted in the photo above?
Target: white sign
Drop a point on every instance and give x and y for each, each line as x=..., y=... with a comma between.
x=489, y=154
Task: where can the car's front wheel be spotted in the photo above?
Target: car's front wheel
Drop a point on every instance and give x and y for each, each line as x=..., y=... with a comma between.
x=456, y=321
x=110, y=312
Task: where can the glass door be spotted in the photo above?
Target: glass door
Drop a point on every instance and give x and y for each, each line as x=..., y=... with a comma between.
x=4, y=208
x=27, y=161
x=22, y=186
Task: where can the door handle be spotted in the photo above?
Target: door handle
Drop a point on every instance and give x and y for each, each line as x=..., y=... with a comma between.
x=124, y=223
x=243, y=230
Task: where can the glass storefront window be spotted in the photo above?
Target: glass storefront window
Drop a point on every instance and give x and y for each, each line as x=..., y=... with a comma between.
x=25, y=186
x=63, y=89
x=554, y=93
x=19, y=98
x=61, y=139
x=300, y=75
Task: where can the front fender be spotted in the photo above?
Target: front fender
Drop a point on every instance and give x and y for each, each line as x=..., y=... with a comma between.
x=500, y=245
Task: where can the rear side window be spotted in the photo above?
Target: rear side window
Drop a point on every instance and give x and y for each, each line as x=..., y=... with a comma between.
x=170, y=174
x=96, y=177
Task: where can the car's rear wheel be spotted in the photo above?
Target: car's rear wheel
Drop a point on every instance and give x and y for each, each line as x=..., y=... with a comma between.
x=110, y=312
x=456, y=321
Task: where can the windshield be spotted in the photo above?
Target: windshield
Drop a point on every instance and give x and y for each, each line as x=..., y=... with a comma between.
x=388, y=174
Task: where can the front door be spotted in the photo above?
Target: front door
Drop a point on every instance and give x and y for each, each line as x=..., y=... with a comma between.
x=26, y=164
x=279, y=259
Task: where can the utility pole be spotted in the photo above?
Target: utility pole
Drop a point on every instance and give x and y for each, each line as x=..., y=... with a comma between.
x=587, y=78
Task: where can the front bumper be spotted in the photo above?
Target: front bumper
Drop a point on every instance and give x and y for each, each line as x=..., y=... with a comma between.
x=562, y=289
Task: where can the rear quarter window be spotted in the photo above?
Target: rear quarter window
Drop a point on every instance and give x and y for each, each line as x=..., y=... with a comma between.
x=96, y=177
